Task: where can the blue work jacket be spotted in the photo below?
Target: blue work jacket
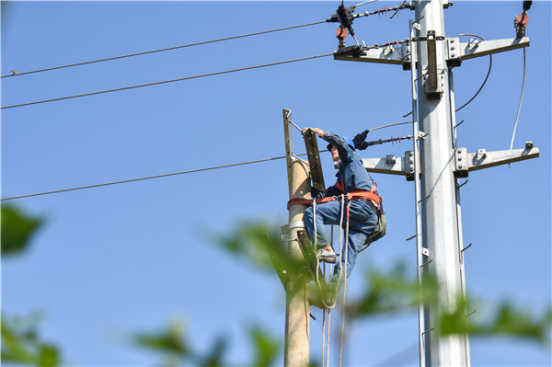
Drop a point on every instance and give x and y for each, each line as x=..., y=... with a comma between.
x=352, y=173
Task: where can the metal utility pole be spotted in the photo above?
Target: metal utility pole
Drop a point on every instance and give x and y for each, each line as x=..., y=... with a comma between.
x=440, y=229
x=296, y=348
x=437, y=162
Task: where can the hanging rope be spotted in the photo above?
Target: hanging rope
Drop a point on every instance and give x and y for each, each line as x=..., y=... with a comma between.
x=520, y=100
x=317, y=278
x=344, y=283
x=328, y=308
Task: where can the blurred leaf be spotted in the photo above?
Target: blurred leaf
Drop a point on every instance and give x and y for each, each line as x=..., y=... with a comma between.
x=215, y=357
x=266, y=348
x=260, y=244
x=20, y=343
x=508, y=321
x=48, y=356
x=17, y=229
x=168, y=341
x=392, y=292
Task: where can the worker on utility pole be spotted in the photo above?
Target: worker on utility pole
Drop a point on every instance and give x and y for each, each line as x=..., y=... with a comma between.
x=359, y=214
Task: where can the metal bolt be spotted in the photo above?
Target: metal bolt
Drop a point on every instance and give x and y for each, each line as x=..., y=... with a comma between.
x=460, y=166
x=411, y=169
x=460, y=158
x=453, y=54
x=411, y=160
x=459, y=151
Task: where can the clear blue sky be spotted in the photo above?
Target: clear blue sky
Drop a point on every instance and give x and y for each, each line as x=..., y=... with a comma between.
x=115, y=260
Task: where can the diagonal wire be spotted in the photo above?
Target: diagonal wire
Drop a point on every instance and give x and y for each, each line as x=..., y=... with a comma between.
x=167, y=81
x=144, y=178
x=171, y=174
x=484, y=81
x=159, y=50
x=486, y=78
x=520, y=100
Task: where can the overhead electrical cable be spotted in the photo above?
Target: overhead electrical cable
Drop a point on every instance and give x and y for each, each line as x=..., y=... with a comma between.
x=488, y=72
x=145, y=178
x=173, y=174
x=520, y=98
x=484, y=81
x=166, y=81
x=159, y=50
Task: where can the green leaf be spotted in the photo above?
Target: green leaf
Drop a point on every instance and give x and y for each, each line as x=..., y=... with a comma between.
x=260, y=245
x=48, y=356
x=20, y=343
x=17, y=229
x=166, y=341
x=215, y=356
x=266, y=348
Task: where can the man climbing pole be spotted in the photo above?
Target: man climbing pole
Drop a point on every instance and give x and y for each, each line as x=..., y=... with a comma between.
x=360, y=212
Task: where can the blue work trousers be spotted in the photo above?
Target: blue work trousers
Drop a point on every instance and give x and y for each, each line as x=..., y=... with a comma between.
x=362, y=221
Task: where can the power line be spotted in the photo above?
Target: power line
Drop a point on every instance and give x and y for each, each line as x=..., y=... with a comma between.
x=488, y=72
x=176, y=173
x=144, y=178
x=166, y=81
x=15, y=73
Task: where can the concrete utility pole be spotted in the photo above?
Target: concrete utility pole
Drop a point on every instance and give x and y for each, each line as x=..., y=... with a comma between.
x=437, y=162
x=296, y=348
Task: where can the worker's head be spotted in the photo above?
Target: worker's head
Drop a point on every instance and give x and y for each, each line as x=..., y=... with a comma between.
x=335, y=154
x=333, y=150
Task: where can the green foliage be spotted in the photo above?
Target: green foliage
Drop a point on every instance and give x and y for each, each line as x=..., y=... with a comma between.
x=215, y=356
x=172, y=344
x=17, y=229
x=168, y=341
x=266, y=348
x=20, y=343
x=261, y=245
x=508, y=321
x=392, y=292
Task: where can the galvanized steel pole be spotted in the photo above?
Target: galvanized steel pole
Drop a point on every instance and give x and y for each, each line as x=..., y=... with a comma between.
x=439, y=190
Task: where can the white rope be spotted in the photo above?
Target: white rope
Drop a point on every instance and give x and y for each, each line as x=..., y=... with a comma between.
x=344, y=284
x=323, y=332
x=328, y=344
x=329, y=310
x=520, y=100
x=317, y=278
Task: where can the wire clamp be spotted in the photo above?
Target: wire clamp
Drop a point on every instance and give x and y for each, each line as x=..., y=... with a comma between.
x=461, y=164
x=454, y=52
x=422, y=135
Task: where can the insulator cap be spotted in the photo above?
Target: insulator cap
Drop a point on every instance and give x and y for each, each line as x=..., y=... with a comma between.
x=522, y=20
x=341, y=33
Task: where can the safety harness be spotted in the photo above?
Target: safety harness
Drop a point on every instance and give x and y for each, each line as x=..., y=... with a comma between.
x=371, y=197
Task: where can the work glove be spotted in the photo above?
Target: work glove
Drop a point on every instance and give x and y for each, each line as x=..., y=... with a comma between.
x=359, y=140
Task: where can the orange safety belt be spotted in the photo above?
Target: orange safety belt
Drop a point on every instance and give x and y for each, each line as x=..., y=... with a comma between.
x=360, y=194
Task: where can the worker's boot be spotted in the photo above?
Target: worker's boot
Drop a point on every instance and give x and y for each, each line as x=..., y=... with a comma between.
x=326, y=255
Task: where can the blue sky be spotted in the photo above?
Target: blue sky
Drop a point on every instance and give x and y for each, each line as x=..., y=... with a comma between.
x=114, y=260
